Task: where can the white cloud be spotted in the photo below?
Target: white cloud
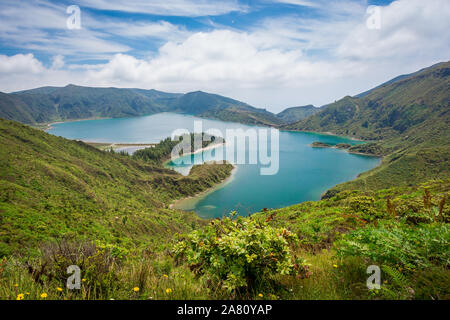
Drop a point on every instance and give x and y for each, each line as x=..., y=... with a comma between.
x=213, y=60
x=277, y=63
x=57, y=62
x=298, y=3
x=193, y=8
x=41, y=26
x=20, y=64
x=409, y=29
x=137, y=30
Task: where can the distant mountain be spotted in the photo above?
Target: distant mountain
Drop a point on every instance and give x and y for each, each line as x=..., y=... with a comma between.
x=409, y=119
x=388, y=110
x=209, y=105
x=72, y=102
x=294, y=114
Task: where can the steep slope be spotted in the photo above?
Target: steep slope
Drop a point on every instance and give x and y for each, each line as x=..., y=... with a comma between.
x=51, y=187
x=72, y=102
x=396, y=79
x=408, y=119
x=12, y=107
x=294, y=114
x=387, y=111
x=215, y=106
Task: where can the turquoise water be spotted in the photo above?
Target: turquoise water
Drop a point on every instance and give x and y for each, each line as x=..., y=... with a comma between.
x=304, y=172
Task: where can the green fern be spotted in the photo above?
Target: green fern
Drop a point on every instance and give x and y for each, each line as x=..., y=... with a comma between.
x=397, y=277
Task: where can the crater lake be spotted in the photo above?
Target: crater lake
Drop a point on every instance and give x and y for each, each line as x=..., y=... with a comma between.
x=304, y=174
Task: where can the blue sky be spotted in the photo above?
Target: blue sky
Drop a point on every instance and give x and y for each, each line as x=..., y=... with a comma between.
x=269, y=53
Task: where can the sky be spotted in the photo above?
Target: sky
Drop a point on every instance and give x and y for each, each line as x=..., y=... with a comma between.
x=271, y=54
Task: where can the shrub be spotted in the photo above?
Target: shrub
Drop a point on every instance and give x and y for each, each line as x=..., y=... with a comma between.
x=5, y=250
x=97, y=264
x=364, y=206
x=238, y=253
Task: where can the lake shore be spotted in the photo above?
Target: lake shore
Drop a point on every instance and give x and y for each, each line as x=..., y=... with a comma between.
x=188, y=203
x=200, y=202
x=209, y=147
x=48, y=125
x=347, y=149
x=328, y=133
x=118, y=146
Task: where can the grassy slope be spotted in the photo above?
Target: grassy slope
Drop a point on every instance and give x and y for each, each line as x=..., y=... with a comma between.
x=53, y=187
x=326, y=228
x=322, y=226
x=409, y=122
x=294, y=114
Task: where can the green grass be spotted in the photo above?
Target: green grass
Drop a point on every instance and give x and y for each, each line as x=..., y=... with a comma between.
x=52, y=188
x=64, y=202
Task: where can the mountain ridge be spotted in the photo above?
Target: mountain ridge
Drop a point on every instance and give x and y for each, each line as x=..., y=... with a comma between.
x=72, y=102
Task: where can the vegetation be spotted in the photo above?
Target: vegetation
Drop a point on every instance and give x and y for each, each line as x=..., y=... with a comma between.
x=294, y=114
x=239, y=254
x=406, y=120
x=49, y=104
x=346, y=146
x=343, y=146
x=163, y=150
x=314, y=250
x=52, y=187
x=403, y=230
x=217, y=107
x=318, y=144
x=64, y=202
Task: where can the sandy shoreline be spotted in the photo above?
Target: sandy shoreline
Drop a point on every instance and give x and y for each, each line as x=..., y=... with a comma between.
x=210, y=147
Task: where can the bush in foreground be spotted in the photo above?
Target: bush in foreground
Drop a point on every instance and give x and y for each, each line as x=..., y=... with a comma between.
x=239, y=253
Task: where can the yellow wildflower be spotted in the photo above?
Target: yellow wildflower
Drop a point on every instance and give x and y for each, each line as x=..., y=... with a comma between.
x=335, y=265
x=20, y=296
x=83, y=280
x=260, y=295
x=43, y=295
x=59, y=289
x=165, y=276
x=15, y=285
x=136, y=289
x=168, y=290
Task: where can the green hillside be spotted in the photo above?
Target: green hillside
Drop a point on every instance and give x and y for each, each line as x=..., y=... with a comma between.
x=52, y=187
x=48, y=104
x=408, y=122
x=217, y=107
x=294, y=114
x=64, y=202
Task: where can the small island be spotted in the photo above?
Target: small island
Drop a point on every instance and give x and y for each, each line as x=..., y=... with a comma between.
x=317, y=144
x=369, y=149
